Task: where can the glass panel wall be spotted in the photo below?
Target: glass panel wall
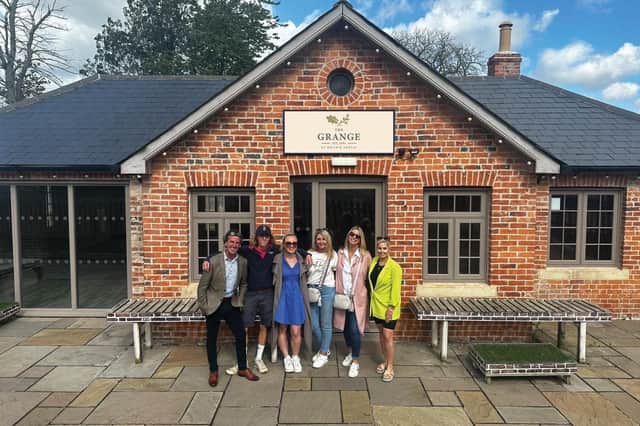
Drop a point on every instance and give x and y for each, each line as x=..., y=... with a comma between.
x=6, y=248
x=44, y=231
x=101, y=246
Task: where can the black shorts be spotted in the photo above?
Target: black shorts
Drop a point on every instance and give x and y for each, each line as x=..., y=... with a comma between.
x=390, y=325
x=258, y=303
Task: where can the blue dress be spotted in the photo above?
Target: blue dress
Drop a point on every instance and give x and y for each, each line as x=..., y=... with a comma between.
x=290, y=309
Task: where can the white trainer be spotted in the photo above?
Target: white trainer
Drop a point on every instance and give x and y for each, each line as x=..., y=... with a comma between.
x=261, y=366
x=320, y=361
x=318, y=354
x=232, y=371
x=288, y=364
x=354, y=369
x=297, y=365
x=347, y=360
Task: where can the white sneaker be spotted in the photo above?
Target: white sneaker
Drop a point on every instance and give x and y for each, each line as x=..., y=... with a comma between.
x=354, y=370
x=297, y=365
x=232, y=371
x=318, y=354
x=347, y=360
x=288, y=364
x=320, y=361
x=260, y=366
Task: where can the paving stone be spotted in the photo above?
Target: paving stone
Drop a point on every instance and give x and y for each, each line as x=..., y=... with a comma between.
x=427, y=371
x=310, y=407
x=14, y=405
x=604, y=351
x=544, y=415
x=625, y=403
x=455, y=371
x=83, y=355
x=39, y=416
x=551, y=384
x=506, y=392
x=632, y=353
x=62, y=323
x=141, y=408
x=598, y=361
x=17, y=384
x=125, y=365
x=264, y=393
x=416, y=353
x=94, y=393
x=297, y=384
x=444, y=399
x=187, y=356
x=255, y=416
x=165, y=372
x=602, y=385
x=72, y=416
x=478, y=407
x=17, y=359
x=90, y=323
x=622, y=341
x=67, y=379
x=627, y=365
x=583, y=408
x=9, y=342
x=37, y=371
x=419, y=416
x=338, y=383
x=143, y=385
x=114, y=335
x=356, y=407
x=59, y=399
x=631, y=386
x=449, y=384
x=400, y=392
x=24, y=327
x=601, y=373
x=202, y=408
x=196, y=379
x=62, y=337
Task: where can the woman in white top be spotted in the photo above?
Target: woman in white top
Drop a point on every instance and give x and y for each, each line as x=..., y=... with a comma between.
x=322, y=277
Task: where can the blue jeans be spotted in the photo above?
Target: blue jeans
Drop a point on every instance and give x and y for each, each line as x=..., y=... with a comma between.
x=322, y=318
x=352, y=333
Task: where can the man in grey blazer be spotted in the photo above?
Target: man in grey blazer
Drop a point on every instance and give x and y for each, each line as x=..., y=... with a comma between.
x=221, y=296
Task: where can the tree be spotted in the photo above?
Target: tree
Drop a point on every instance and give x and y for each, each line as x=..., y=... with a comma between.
x=441, y=51
x=28, y=59
x=223, y=37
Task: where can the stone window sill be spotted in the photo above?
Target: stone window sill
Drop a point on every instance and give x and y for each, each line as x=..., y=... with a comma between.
x=583, y=273
x=457, y=289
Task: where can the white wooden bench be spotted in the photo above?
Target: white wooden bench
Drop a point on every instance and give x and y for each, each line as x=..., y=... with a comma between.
x=445, y=309
x=9, y=311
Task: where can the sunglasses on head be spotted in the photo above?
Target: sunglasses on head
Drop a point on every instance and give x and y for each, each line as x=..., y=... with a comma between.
x=354, y=235
x=383, y=239
x=291, y=243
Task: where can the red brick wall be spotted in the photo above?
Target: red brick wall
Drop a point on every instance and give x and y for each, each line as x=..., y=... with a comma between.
x=243, y=147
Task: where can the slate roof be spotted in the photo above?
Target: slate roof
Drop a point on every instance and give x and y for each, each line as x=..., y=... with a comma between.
x=578, y=131
x=98, y=122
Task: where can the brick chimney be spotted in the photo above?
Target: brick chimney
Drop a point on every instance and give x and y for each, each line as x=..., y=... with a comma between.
x=505, y=63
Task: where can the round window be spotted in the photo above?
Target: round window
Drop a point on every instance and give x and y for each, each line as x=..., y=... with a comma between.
x=340, y=82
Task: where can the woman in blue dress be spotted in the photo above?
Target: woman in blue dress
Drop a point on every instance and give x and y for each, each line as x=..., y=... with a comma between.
x=291, y=303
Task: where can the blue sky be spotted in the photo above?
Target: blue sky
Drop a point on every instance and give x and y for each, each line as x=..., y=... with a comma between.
x=591, y=47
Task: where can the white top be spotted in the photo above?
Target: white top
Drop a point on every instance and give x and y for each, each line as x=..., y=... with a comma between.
x=317, y=268
x=347, y=280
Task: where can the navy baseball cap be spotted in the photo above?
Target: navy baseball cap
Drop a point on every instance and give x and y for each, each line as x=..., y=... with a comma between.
x=263, y=230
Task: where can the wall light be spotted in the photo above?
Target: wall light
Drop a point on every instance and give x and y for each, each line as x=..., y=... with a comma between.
x=413, y=152
x=401, y=152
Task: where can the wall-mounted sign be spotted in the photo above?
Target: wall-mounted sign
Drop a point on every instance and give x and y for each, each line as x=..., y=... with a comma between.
x=338, y=132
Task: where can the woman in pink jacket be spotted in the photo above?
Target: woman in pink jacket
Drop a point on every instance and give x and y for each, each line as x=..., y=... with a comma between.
x=351, y=272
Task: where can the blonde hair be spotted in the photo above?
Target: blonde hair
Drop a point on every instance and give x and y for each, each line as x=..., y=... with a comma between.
x=327, y=237
x=363, y=241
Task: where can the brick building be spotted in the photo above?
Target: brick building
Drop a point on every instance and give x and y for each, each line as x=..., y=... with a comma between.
x=487, y=186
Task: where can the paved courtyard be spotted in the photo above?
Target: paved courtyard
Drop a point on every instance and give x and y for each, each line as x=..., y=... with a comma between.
x=81, y=371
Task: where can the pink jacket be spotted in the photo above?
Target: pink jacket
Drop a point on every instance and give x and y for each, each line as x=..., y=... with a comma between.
x=360, y=297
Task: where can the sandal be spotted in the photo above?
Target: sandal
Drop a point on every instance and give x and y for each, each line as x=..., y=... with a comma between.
x=388, y=375
x=381, y=368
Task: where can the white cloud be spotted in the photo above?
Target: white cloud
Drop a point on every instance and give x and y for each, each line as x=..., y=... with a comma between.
x=546, y=19
x=390, y=8
x=474, y=22
x=598, y=6
x=578, y=63
x=618, y=91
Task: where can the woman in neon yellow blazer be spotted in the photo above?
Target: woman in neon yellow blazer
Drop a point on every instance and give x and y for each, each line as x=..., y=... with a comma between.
x=385, y=278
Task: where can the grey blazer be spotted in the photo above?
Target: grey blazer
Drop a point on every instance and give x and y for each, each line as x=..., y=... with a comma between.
x=212, y=285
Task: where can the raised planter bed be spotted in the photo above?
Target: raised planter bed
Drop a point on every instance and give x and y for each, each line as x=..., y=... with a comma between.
x=521, y=359
x=8, y=310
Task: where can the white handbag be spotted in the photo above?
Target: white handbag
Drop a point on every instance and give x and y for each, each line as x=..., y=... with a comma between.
x=314, y=291
x=343, y=302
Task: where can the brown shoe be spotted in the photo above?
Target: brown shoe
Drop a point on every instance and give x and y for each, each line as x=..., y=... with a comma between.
x=213, y=379
x=248, y=374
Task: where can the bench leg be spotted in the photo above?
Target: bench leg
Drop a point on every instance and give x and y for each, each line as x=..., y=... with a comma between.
x=137, y=349
x=147, y=334
x=561, y=334
x=444, y=340
x=582, y=342
x=434, y=333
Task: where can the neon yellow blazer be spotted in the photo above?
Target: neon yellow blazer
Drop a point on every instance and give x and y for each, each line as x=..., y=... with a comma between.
x=387, y=290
